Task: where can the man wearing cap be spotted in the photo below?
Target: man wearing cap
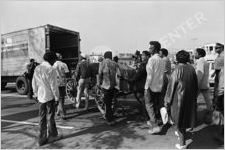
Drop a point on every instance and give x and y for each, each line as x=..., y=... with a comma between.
x=82, y=74
x=29, y=75
x=218, y=65
x=62, y=73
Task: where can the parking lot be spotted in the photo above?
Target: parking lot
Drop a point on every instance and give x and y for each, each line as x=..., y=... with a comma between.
x=87, y=129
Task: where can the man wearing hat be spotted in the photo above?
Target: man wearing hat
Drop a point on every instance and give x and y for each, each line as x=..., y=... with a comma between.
x=82, y=77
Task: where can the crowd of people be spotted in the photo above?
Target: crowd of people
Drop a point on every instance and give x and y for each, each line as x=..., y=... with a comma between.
x=169, y=97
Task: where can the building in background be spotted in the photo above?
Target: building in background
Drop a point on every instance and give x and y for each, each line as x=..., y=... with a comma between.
x=210, y=51
x=125, y=59
x=94, y=56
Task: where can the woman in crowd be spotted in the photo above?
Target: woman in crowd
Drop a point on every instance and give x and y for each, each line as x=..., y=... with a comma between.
x=181, y=96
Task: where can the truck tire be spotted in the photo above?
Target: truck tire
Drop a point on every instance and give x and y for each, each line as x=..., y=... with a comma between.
x=3, y=85
x=22, y=85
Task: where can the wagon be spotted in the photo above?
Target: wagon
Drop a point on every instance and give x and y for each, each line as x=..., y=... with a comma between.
x=127, y=88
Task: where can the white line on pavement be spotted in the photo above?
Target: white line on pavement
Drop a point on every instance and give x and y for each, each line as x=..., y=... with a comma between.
x=36, y=124
x=12, y=95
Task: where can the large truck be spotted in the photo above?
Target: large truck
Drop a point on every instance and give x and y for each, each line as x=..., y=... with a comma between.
x=20, y=46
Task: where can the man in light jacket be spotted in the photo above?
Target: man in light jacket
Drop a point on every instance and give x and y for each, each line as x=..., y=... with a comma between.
x=153, y=86
x=62, y=73
x=45, y=88
x=202, y=71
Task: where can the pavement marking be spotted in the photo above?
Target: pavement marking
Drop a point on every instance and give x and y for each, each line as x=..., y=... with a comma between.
x=12, y=95
x=36, y=124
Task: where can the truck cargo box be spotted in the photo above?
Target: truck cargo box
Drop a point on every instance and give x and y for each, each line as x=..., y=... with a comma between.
x=20, y=46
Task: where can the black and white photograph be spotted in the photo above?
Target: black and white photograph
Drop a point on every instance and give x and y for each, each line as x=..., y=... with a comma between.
x=112, y=74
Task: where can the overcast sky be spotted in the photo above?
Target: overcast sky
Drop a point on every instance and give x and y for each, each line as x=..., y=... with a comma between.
x=122, y=26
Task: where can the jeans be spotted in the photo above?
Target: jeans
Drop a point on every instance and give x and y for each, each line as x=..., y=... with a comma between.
x=62, y=93
x=30, y=90
x=108, y=96
x=206, y=95
x=153, y=103
x=51, y=130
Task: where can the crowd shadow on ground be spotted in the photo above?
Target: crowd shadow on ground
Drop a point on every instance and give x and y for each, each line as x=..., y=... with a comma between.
x=104, y=135
x=205, y=138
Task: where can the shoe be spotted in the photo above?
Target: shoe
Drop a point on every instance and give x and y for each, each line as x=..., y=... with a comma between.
x=149, y=123
x=176, y=133
x=54, y=138
x=43, y=142
x=178, y=137
x=77, y=104
x=111, y=123
x=178, y=146
x=63, y=117
x=155, y=130
x=189, y=129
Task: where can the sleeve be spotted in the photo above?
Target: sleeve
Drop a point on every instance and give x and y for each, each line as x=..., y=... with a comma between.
x=171, y=88
x=139, y=73
x=168, y=67
x=77, y=72
x=34, y=84
x=195, y=85
x=53, y=84
x=66, y=68
x=200, y=71
x=118, y=72
x=219, y=63
x=100, y=73
x=149, y=70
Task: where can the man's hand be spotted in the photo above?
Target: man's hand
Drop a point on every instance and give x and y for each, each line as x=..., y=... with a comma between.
x=214, y=73
x=56, y=103
x=166, y=105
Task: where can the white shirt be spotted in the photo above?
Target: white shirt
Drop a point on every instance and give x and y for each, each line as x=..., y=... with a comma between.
x=202, y=71
x=61, y=69
x=155, y=70
x=44, y=83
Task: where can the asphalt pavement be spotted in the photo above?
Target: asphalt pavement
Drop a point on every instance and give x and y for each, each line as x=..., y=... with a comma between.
x=86, y=129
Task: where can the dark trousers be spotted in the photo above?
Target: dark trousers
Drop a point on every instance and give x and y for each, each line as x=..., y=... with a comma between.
x=108, y=95
x=153, y=103
x=62, y=93
x=47, y=110
x=30, y=90
x=220, y=103
x=182, y=136
x=144, y=112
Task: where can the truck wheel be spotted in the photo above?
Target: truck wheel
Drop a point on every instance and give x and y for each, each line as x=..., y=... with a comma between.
x=3, y=84
x=21, y=85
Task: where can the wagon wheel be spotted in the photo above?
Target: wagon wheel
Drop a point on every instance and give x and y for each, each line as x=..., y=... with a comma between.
x=98, y=97
x=71, y=90
x=100, y=104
